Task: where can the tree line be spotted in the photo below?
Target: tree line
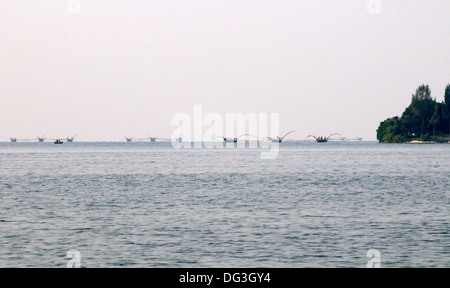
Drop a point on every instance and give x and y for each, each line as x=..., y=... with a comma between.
x=423, y=119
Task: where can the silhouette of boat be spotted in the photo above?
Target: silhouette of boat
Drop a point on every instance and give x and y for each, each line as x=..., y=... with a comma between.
x=70, y=139
x=279, y=139
x=322, y=139
x=58, y=142
x=225, y=140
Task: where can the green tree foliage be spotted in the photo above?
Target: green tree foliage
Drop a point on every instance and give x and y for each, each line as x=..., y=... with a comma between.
x=447, y=97
x=410, y=123
x=447, y=107
x=435, y=120
x=389, y=129
x=423, y=106
x=422, y=118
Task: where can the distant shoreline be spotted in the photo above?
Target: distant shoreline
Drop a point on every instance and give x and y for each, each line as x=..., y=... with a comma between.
x=427, y=142
x=443, y=141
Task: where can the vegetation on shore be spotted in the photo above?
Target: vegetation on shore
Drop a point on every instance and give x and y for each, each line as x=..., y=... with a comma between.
x=424, y=119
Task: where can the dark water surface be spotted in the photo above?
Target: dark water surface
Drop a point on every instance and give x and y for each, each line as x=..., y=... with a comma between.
x=150, y=205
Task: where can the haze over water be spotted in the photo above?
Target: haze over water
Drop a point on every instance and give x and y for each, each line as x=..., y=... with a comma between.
x=150, y=205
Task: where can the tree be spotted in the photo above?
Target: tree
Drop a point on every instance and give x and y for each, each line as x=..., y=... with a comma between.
x=423, y=106
x=447, y=96
x=424, y=116
x=435, y=120
x=389, y=131
x=410, y=123
x=447, y=104
x=445, y=119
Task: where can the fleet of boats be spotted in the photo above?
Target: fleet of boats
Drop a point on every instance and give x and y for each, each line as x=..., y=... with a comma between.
x=245, y=137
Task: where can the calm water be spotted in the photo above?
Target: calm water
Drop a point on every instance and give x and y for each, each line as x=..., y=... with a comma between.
x=144, y=205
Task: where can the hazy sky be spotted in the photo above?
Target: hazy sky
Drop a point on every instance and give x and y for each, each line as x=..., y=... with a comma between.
x=124, y=68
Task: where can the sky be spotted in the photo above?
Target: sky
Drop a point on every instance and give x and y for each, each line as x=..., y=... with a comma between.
x=106, y=69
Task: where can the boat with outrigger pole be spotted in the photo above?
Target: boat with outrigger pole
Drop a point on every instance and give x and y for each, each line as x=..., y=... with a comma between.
x=151, y=139
x=279, y=139
x=38, y=139
x=322, y=139
x=43, y=139
x=247, y=139
x=229, y=140
x=58, y=141
x=235, y=140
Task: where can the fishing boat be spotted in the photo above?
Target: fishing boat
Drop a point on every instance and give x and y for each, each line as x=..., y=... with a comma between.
x=58, y=142
x=234, y=140
x=322, y=139
x=279, y=139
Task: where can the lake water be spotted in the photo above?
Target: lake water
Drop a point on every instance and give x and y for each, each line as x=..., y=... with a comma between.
x=150, y=205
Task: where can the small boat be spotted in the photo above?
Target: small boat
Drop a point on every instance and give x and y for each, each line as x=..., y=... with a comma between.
x=58, y=142
x=234, y=140
x=279, y=139
x=322, y=139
